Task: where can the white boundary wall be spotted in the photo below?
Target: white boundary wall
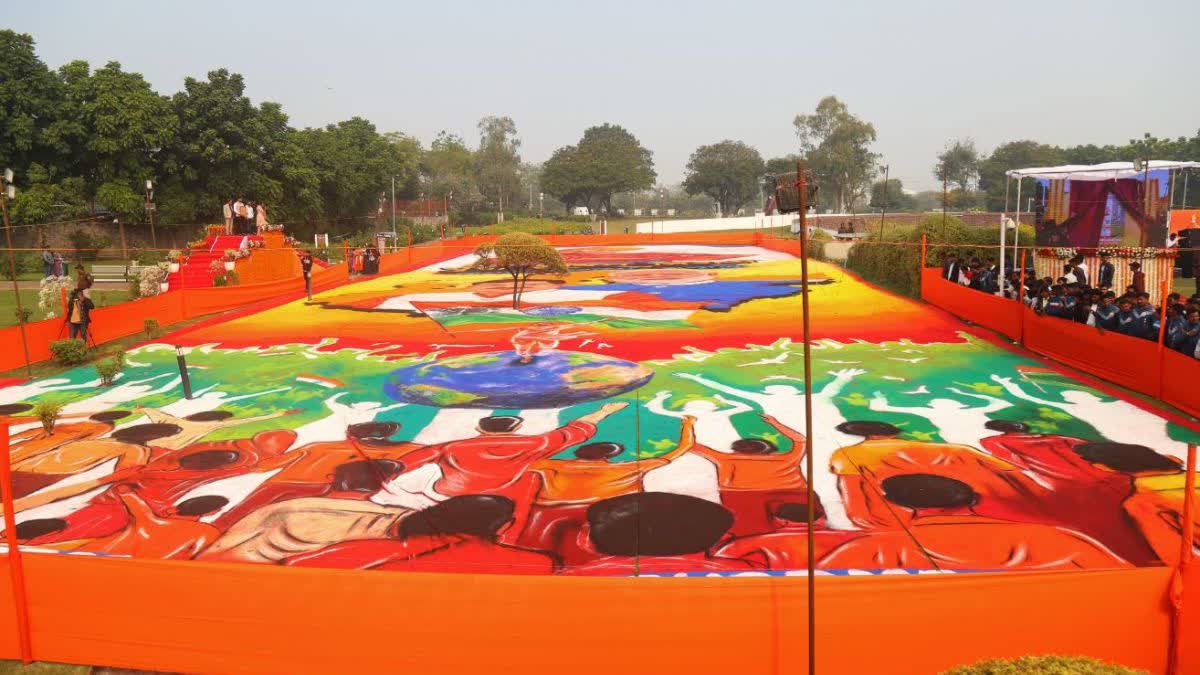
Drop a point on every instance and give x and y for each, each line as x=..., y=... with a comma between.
x=710, y=224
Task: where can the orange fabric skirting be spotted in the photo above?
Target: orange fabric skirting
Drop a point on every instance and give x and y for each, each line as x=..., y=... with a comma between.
x=204, y=617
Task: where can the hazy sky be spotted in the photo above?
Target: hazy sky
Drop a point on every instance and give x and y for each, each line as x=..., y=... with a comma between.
x=677, y=75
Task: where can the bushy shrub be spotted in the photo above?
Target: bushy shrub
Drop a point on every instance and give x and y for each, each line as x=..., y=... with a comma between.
x=23, y=314
x=87, y=245
x=69, y=352
x=47, y=413
x=891, y=259
x=151, y=327
x=26, y=263
x=109, y=368
x=1043, y=665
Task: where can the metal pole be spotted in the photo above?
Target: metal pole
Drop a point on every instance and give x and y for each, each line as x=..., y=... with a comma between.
x=802, y=191
x=16, y=568
x=1017, y=220
x=945, y=199
x=393, y=210
x=183, y=373
x=883, y=208
x=1145, y=198
x=12, y=267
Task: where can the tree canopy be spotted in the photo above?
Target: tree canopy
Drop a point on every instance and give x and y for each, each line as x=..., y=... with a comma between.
x=958, y=164
x=608, y=160
x=837, y=149
x=521, y=255
x=729, y=171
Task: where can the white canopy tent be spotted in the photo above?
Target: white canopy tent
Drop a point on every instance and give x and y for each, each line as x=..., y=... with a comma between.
x=1084, y=172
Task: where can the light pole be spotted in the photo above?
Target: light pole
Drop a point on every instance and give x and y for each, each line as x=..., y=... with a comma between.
x=541, y=204
x=394, y=242
x=883, y=206
x=9, y=191
x=150, y=212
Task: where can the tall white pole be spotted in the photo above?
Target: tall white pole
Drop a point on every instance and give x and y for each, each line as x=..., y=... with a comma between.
x=1016, y=220
x=394, y=242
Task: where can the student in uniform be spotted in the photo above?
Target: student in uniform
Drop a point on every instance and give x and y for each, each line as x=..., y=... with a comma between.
x=1104, y=315
x=1146, y=316
x=1190, y=333
x=1126, y=321
x=1107, y=271
x=1175, y=324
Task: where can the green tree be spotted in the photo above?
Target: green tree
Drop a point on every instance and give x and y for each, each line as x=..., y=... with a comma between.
x=355, y=164
x=498, y=161
x=891, y=196
x=112, y=126
x=564, y=176
x=958, y=164
x=1009, y=156
x=521, y=255
x=29, y=104
x=728, y=171
x=615, y=162
x=837, y=149
x=447, y=168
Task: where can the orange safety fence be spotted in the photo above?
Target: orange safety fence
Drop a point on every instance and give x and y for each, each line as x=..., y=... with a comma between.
x=1130, y=362
x=211, y=617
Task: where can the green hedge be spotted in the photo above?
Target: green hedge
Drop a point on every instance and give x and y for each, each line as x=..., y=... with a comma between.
x=892, y=260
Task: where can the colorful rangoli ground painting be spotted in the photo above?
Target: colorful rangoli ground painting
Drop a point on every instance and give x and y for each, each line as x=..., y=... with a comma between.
x=642, y=415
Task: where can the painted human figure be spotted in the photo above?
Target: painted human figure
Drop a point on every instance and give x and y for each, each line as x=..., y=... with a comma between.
x=317, y=469
x=121, y=394
x=1156, y=501
x=754, y=476
x=539, y=337
x=1005, y=492
x=570, y=486
x=496, y=462
x=196, y=426
x=24, y=392
x=461, y=534
x=1116, y=420
x=786, y=403
x=1076, y=493
x=297, y=526
x=333, y=427
x=685, y=532
x=941, y=515
x=714, y=426
x=179, y=536
x=785, y=545
x=206, y=400
x=957, y=423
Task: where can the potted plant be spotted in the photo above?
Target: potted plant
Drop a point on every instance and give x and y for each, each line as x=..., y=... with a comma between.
x=230, y=256
x=173, y=257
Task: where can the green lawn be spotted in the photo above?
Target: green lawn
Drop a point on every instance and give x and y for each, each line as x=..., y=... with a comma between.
x=29, y=300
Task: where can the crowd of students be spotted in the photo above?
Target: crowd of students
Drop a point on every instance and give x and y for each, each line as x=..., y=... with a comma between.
x=1073, y=296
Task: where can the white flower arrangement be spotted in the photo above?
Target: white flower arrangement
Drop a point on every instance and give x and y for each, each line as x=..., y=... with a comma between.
x=149, y=279
x=50, y=295
x=1136, y=252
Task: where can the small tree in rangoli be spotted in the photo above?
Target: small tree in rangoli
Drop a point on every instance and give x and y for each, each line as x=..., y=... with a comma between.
x=521, y=255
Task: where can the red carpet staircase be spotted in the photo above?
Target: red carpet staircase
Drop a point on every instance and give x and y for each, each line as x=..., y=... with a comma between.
x=197, y=271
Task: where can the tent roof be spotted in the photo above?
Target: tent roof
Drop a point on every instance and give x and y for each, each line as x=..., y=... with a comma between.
x=1106, y=171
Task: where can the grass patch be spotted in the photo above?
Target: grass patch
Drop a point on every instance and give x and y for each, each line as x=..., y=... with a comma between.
x=42, y=668
x=106, y=350
x=29, y=300
x=1043, y=665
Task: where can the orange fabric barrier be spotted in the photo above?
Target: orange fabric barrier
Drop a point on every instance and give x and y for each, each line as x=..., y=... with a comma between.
x=205, y=617
x=985, y=309
x=1127, y=361
x=1181, y=381
x=1184, y=219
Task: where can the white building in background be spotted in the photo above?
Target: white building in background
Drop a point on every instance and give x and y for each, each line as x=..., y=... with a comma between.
x=654, y=212
x=637, y=212
x=581, y=211
x=670, y=212
x=620, y=212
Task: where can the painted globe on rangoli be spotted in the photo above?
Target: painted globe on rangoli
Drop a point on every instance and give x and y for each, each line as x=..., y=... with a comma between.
x=500, y=380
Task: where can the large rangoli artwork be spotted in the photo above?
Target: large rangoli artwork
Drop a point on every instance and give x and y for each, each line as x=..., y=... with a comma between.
x=642, y=415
